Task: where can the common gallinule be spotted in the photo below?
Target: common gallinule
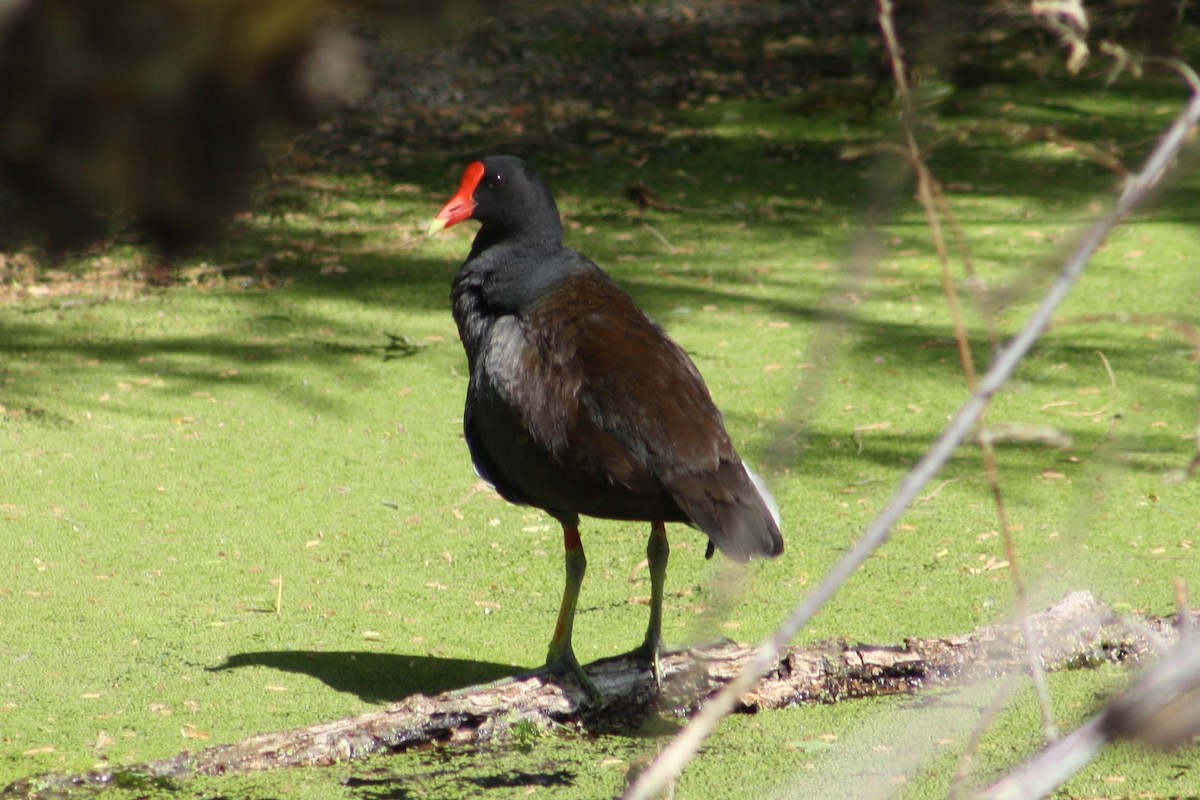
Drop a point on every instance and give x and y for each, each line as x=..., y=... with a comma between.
x=579, y=404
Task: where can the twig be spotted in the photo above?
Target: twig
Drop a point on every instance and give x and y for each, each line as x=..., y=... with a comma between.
x=1160, y=709
x=675, y=756
x=943, y=485
x=927, y=192
x=973, y=279
x=672, y=249
x=1069, y=21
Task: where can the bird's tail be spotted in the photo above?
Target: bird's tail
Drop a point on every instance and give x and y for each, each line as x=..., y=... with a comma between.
x=765, y=495
x=746, y=524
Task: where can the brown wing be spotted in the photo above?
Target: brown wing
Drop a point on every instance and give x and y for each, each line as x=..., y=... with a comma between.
x=624, y=409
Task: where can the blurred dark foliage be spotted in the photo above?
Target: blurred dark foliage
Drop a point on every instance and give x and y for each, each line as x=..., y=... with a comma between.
x=151, y=115
x=146, y=108
x=152, y=112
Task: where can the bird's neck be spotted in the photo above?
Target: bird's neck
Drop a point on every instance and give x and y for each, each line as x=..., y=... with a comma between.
x=528, y=239
x=505, y=279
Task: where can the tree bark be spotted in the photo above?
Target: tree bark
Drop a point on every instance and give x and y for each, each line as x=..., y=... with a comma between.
x=1077, y=632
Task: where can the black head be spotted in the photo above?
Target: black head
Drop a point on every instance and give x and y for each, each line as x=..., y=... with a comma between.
x=507, y=197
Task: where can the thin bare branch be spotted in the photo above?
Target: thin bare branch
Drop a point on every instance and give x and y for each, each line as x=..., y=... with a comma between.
x=675, y=756
x=1161, y=709
x=928, y=192
x=1069, y=21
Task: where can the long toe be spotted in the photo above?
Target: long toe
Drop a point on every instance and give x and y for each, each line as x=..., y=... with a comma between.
x=565, y=662
x=650, y=651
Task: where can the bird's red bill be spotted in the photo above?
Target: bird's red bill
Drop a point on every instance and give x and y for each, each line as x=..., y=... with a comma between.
x=461, y=206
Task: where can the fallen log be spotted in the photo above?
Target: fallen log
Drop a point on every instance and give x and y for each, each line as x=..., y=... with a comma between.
x=1077, y=632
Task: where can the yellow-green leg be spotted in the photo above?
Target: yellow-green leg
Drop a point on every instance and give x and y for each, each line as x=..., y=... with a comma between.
x=561, y=657
x=657, y=552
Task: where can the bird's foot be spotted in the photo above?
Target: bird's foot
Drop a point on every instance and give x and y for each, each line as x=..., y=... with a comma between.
x=564, y=661
x=649, y=652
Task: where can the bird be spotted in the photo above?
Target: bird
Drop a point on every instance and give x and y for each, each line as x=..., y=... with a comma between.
x=579, y=404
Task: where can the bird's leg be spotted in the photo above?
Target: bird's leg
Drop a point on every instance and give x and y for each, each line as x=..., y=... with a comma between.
x=561, y=657
x=657, y=551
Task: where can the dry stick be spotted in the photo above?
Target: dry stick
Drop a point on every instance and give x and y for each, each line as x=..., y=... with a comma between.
x=964, y=251
x=675, y=756
x=925, y=187
x=927, y=192
x=1158, y=701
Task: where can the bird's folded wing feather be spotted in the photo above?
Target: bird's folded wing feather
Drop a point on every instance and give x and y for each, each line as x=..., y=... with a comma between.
x=638, y=412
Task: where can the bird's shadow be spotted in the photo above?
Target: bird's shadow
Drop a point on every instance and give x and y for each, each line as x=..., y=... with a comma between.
x=375, y=677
